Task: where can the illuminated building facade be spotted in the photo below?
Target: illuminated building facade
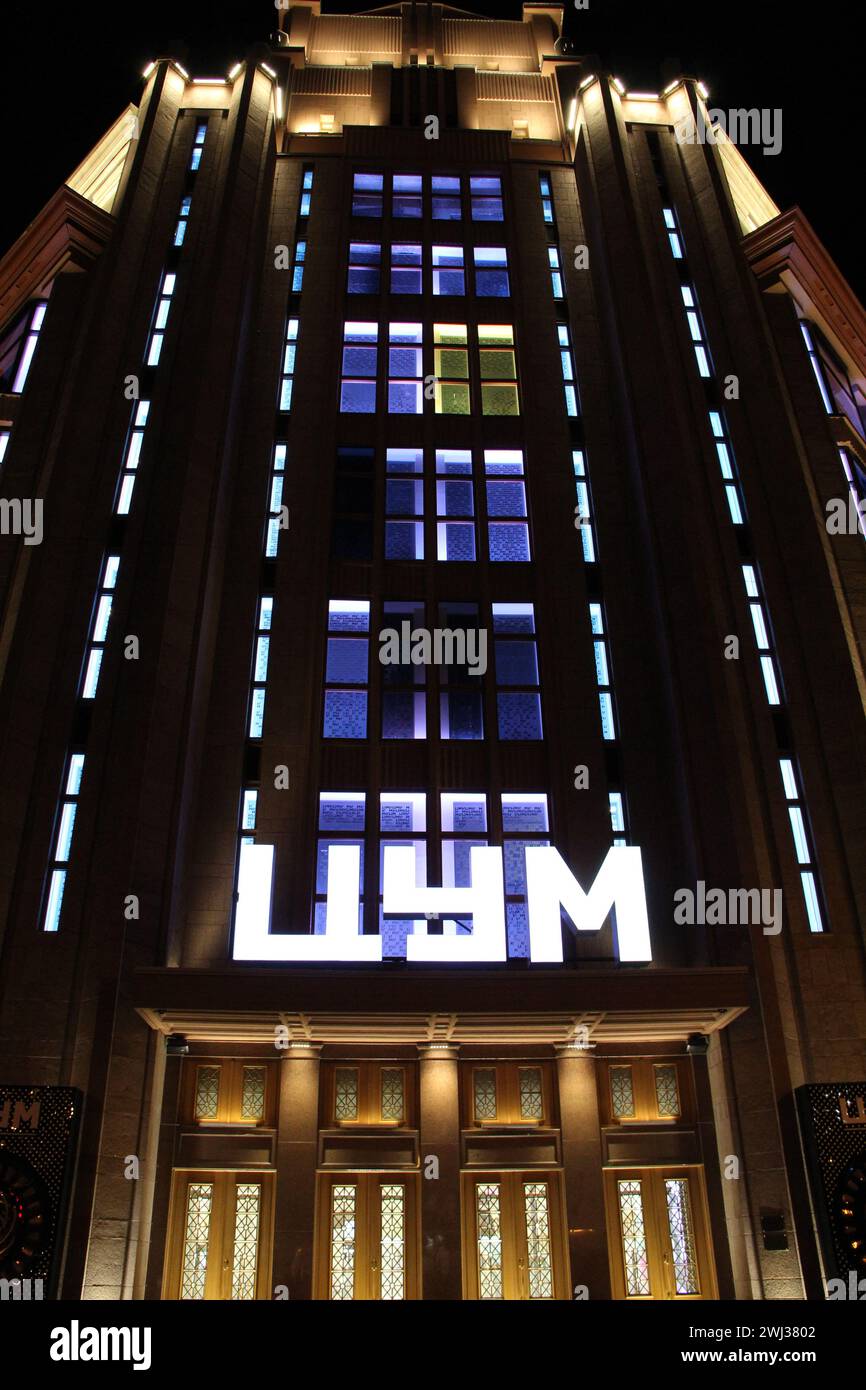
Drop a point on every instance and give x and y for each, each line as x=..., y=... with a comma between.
x=422, y=454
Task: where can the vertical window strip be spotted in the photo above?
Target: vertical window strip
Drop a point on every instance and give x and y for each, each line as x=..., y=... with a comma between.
x=546, y=199
x=31, y=340
x=854, y=487
x=131, y=457
x=455, y=505
x=518, y=685
x=287, y=375
x=260, y=666
x=160, y=319
x=525, y=823
x=342, y=821
x=405, y=369
x=404, y=504
x=347, y=669
x=758, y=608
x=817, y=368
x=359, y=367
x=569, y=379
x=198, y=146
x=584, y=518
x=275, y=501
x=603, y=672
x=63, y=832
x=298, y=267
x=507, y=526
x=555, y=272
x=182, y=218
x=306, y=192
x=99, y=627
x=497, y=367
x=248, y=815
x=5, y=436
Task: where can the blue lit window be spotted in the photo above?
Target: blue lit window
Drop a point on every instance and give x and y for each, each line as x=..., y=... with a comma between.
x=405, y=268
x=298, y=268
x=802, y=844
x=448, y=275
x=617, y=818
x=546, y=198
x=491, y=272
x=342, y=820
x=405, y=369
x=406, y=195
x=673, y=234
x=364, y=261
x=485, y=193
x=455, y=505
x=198, y=145
x=568, y=377
x=347, y=669
x=63, y=832
x=555, y=271
x=817, y=368
x=358, y=385
x=757, y=609
x=288, y=367
x=404, y=504
x=583, y=517
x=367, y=195
x=99, y=627
x=180, y=229
x=131, y=457
x=508, y=535
x=524, y=823
x=402, y=821
x=602, y=671
x=446, y=198
x=275, y=501
x=25, y=352
x=163, y=307
x=516, y=657
x=306, y=193
x=260, y=666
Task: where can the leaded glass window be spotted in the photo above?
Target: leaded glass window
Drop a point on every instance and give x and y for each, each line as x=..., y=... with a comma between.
x=622, y=1092
x=392, y=1241
x=531, y=1095
x=682, y=1235
x=343, y=1202
x=253, y=1093
x=539, y=1260
x=484, y=1083
x=346, y=1093
x=245, y=1251
x=488, y=1218
x=207, y=1093
x=199, y=1204
x=392, y=1093
x=634, y=1246
x=667, y=1093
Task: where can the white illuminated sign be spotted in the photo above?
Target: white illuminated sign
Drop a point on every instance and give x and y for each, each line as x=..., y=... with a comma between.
x=550, y=888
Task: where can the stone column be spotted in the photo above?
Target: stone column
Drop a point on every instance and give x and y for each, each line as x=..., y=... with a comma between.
x=582, y=1161
x=439, y=1135
x=297, y=1160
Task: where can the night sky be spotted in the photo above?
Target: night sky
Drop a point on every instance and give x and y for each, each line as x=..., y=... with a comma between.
x=78, y=65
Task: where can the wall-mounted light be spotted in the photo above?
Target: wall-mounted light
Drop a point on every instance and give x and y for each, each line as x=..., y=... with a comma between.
x=208, y=82
x=619, y=87
x=672, y=86
x=148, y=70
x=704, y=90
x=641, y=96
x=181, y=69
x=278, y=102
x=234, y=72
x=268, y=70
x=587, y=82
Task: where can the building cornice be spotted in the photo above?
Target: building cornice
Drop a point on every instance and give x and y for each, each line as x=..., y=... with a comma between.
x=68, y=234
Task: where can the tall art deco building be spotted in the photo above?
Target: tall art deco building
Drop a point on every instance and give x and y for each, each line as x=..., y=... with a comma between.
x=433, y=621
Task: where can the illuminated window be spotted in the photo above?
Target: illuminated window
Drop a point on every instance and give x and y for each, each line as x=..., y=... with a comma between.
x=404, y=504
x=180, y=229
x=406, y=195
x=131, y=457
x=583, y=514
x=817, y=368
x=364, y=263
x=306, y=193
x=288, y=368
x=406, y=269
x=99, y=627
x=498, y=369
x=405, y=369
x=347, y=669
x=260, y=666
x=460, y=701
x=402, y=822
x=802, y=843
x=20, y=347
x=367, y=195
x=198, y=145
x=342, y=820
x=404, y=701
x=760, y=625
x=546, y=198
x=602, y=671
x=63, y=831
x=725, y=455
x=249, y=812
x=277, y=518
x=451, y=368
x=491, y=272
x=455, y=505
x=666, y=1091
x=464, y=827
x=618, y=825
x=358, y=385
x=207, y=1092
x=298, y=267
x=448, y=274
x=5, y=436
x=484, y=1093
x=555, y=272
x=673, y=233
x=446, y=198
x=568, y=376
x=518, y=699
x=696, y=330
x=524, y=822
x=507, y=529
x=163, y=307
x=485, y=192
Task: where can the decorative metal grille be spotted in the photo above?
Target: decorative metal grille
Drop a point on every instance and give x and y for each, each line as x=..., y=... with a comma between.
x=207, y=1092
x=246, y=1243
x=539, y=1262
x=199, y=1202
x=637, y=1279
x=484, y=1082
x=392, y=1093
x=392, y=1242
x=346, y=1104
x=253, y=1094
x=343, y=1197
x=488, y=1222
x=621, y=1092
x=667, y=1093
x=682, y=1235
x=531, y=1096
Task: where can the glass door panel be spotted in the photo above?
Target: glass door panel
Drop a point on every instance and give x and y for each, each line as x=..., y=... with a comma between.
x=367, y=1241
x=513, y=1236
x=658, y=1234
x=217, y=1229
